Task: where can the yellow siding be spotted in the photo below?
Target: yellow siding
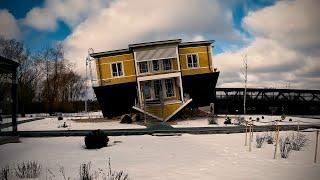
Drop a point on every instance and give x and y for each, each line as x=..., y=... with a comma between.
x=105, y=78
x=168, y=109
x=175, y=64
x=204, y=56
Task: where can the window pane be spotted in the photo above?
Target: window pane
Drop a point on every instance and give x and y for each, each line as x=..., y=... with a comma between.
x=155, y=65
x=114, y=70
x=119, y=65
x=195, y=60
x=157, y=88
x=143, y=66
x=166, y=64
x=146, y=90
x=169, y=87
x=189, y=58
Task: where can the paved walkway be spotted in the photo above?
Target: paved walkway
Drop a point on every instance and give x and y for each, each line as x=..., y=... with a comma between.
x=144, y=131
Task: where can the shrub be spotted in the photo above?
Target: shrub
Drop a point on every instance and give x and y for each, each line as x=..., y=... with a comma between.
x=290, y=119
x=60, y=118
x=258, y=119
x=262, y=117
x=259, y=141
x=116, y=175
x=85, y=172
x=283, y=117
x=5, y=173
x=285, y=147
x=269, y=138
x=228, y=120
x=299, y=141
x=96, y=139
x=28, y=169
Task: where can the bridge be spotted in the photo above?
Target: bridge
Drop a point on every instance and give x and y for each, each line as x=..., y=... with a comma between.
x=268, y=101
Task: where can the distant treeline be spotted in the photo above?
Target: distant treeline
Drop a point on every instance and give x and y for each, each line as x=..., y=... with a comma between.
x=46, y=80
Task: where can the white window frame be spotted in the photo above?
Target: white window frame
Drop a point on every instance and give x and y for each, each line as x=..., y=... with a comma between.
x=122, y=69
x=159, y=65
x=147, y=67
x=165, y=88
x=198, y=63
x=165, y=65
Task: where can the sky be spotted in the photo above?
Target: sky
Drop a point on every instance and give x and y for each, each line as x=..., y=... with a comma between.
x=281, y=39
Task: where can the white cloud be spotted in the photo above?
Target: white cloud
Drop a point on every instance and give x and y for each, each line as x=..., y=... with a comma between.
x=132, y=21
x=293, y=23
x=285, y=48
x=8, y=25
x=71, y=12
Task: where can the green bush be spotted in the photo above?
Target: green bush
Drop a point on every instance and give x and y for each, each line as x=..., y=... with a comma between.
x=96, y=139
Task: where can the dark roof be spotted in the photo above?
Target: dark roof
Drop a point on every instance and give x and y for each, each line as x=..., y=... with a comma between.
x=154, y=43
x=110, y=53
x=7, y=65
x=196, y=43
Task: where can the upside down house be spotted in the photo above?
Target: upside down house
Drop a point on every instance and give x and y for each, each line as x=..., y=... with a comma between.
x=156, y=78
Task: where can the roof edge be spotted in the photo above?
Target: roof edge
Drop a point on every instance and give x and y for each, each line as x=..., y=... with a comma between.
x=154, y=43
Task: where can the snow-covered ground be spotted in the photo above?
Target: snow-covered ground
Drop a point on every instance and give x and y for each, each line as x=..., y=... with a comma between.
x=268, y=120
x=218, y=156
x=54, y=123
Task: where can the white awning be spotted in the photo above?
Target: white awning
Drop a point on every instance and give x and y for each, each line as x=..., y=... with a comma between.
x=156, y=53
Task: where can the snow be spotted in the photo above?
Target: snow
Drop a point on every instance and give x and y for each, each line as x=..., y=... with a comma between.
x=218, y=156
x=268, y=120
x=54, y=123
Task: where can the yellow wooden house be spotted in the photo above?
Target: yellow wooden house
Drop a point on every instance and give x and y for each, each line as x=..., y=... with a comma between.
x=157, y=78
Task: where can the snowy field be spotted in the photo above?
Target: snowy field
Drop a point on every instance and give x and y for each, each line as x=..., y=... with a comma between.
x=268, y=120
x=52, y=123
x=219, y=156
x=55, y=124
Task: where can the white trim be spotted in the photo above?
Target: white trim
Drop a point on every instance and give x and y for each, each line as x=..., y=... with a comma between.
x=178, y=59
x=183, y=54
x=118, y=77
x=211, y=54
x=158, y=76
x=122, y=68
x=198, y=61
x=165, y=89
x=156, y=59
x=195, y=68
x=139, y=94
x=141, y=110
x=179, y=109
x=180, y=87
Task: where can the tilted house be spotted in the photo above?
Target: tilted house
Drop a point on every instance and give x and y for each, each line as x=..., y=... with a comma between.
x=157, y=78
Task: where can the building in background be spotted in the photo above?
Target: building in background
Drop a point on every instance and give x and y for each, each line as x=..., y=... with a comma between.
x=157, y=78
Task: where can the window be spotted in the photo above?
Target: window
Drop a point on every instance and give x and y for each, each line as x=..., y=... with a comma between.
x=169, y=87
x=192, y=60
x=143, y=67
x=147, y=90
x=116, y=69
x=157, y=88
x=155, y=65
x=166, y=64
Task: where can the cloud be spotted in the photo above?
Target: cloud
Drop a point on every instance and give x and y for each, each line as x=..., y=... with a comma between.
x=285, y=48
x=71, y=12
x=131, y=21
x=9, y=27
